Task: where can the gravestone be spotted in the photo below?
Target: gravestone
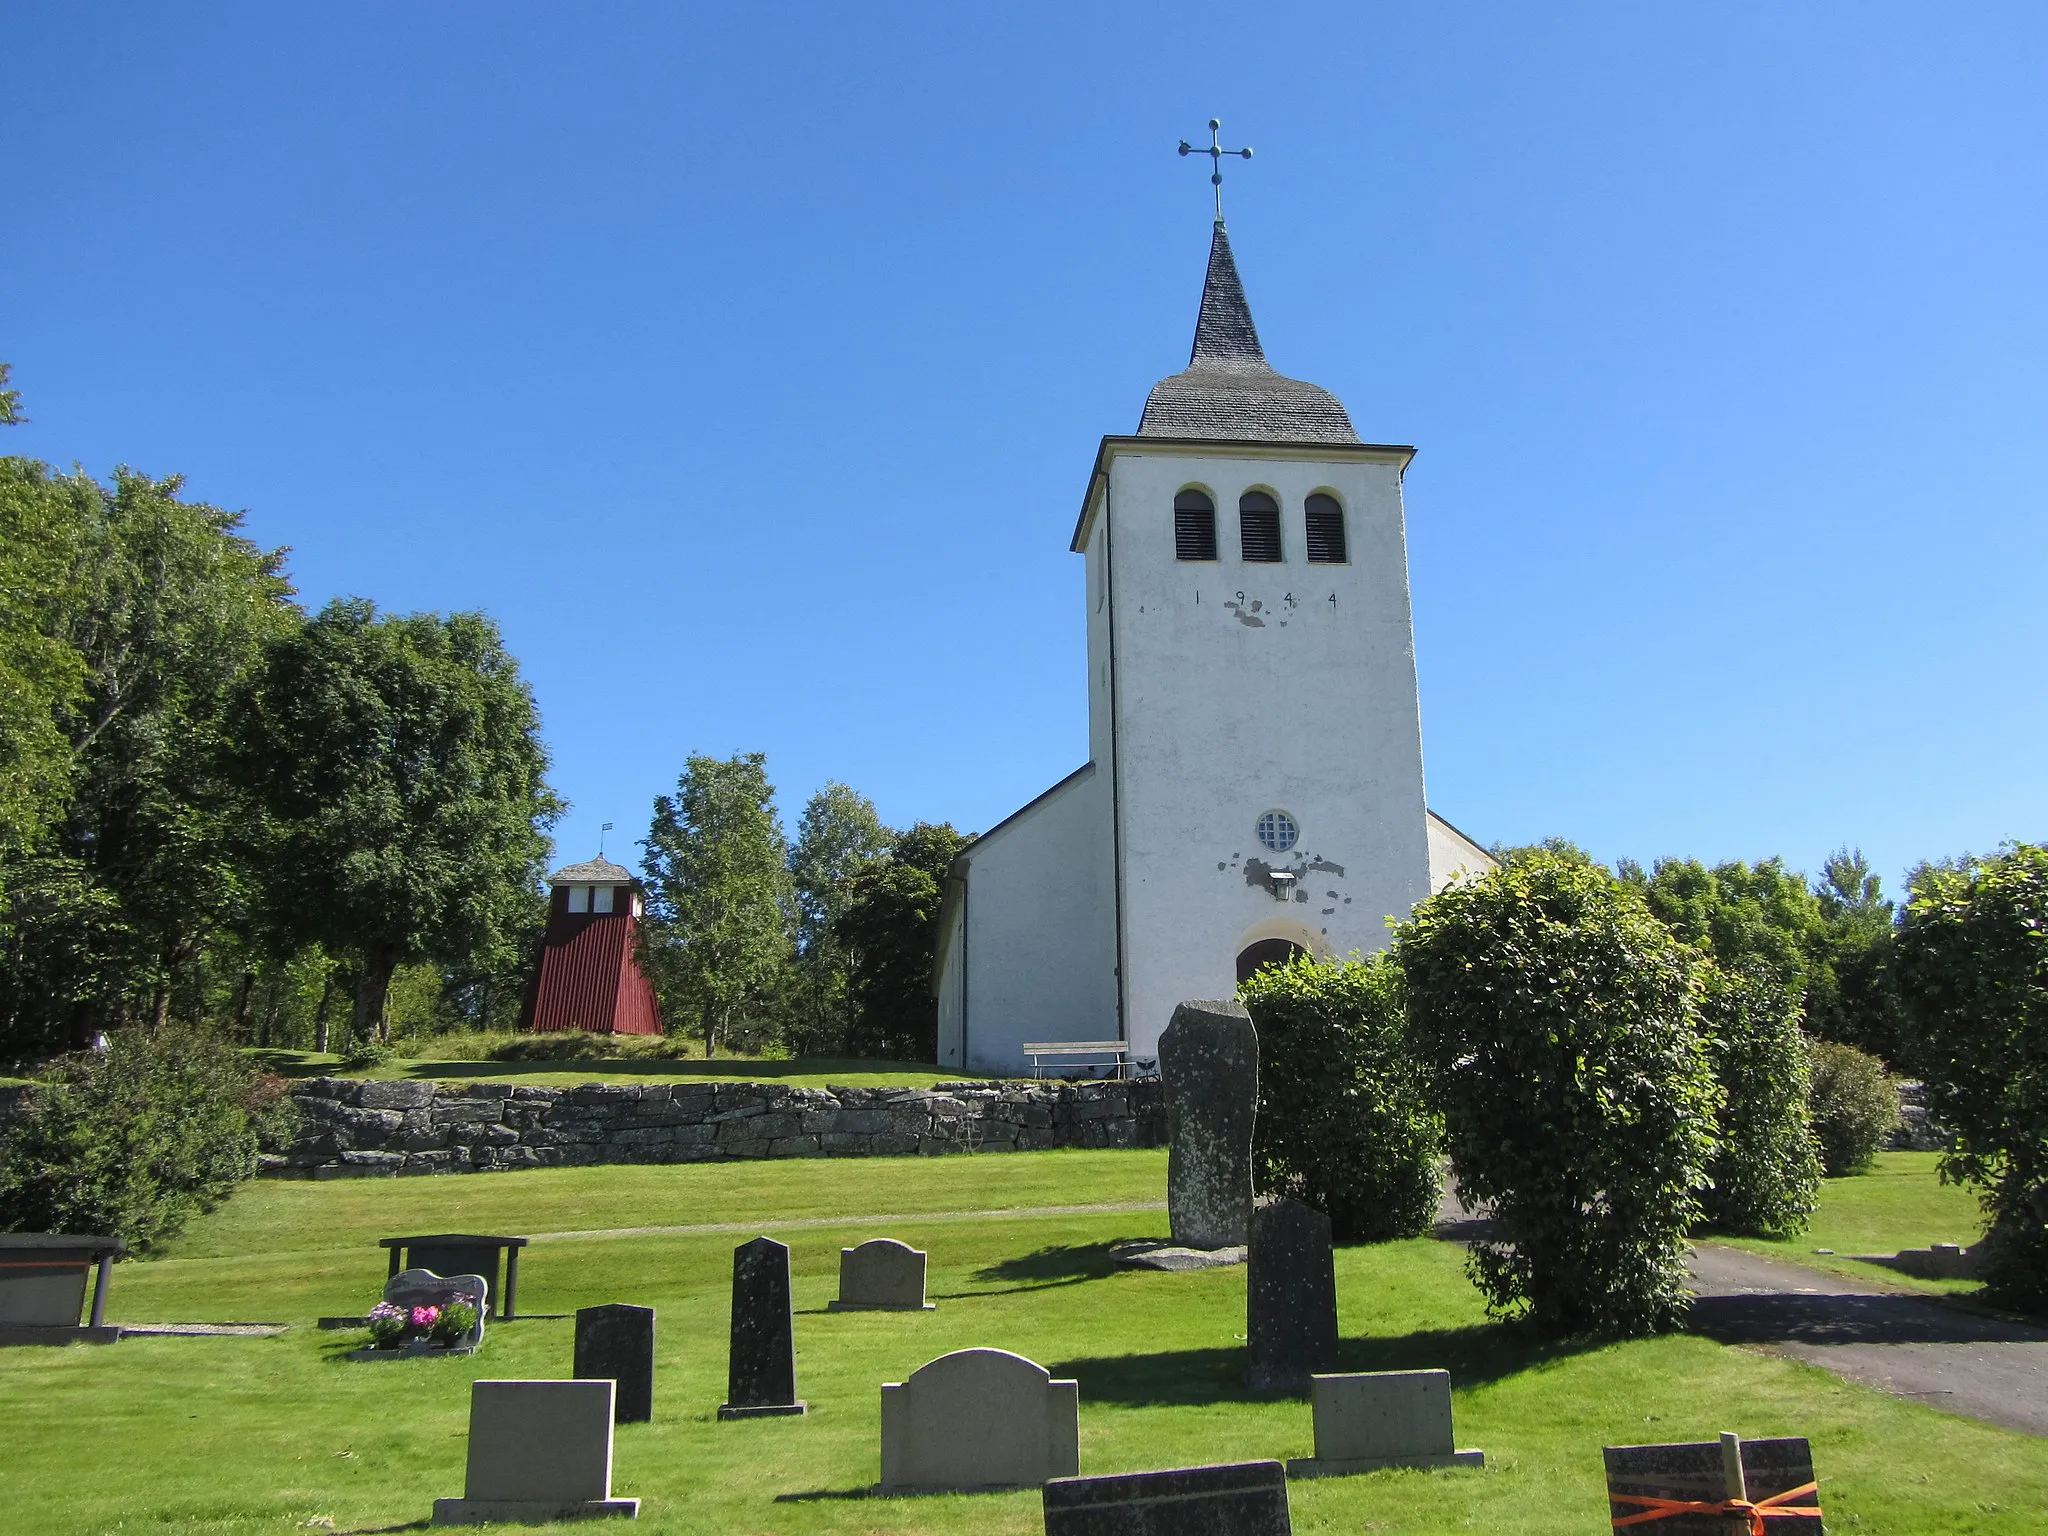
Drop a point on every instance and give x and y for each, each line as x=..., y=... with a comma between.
x=1382, y=1419
x=761, y=1365
x=1290, y=1297
x=1209, y=1058
x=881, y=1275
x=979, y=1418
x=617, y=1342
x=42, y=1287
x=1707, y=1487
x=1244, y=1499
x=538, y=1450
x=423, y=1288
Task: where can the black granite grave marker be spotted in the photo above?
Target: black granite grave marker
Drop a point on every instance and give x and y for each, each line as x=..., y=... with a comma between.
x=617, y=1341
x=1244, y=1499
x=1651, y=1486
x=1290, y=1298
x=761, y=1368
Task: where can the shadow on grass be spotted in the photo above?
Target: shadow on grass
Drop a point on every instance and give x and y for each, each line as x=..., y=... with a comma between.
x=1046, y=1269
x=1180, y=1377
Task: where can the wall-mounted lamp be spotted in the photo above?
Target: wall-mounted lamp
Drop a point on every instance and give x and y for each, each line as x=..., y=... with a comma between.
x=1281, y=883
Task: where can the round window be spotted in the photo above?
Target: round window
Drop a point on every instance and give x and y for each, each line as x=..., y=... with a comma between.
x=1278, y=831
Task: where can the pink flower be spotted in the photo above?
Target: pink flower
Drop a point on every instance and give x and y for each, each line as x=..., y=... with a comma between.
x=425, y=1317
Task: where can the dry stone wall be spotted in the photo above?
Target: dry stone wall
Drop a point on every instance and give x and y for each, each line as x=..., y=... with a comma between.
x=352, y=1128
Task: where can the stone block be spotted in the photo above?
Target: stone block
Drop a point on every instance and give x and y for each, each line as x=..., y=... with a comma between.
x=1209, y=1056
x=979, y=1418
x=881, y=1275
x=617, y=1342
x=1242, y=1499
x=538, y=1450
x=397, y=1095
x=1382, y=1419
x=793, y=1146
x=371, y=1165
x=468, y=1111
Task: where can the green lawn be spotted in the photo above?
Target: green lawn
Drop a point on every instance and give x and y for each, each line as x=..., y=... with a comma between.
x=1901, y=1203
x=801, y=1072
x=188, y=1435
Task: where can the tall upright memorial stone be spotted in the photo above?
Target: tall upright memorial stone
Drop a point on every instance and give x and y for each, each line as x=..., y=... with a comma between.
x=1209, y=1058
x=761, y=1368
x=1290, y=1298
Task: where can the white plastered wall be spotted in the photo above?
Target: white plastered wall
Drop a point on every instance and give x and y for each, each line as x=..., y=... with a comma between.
x=1453, y=855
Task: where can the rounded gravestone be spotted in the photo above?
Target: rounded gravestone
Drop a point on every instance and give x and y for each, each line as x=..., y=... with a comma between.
x=1209, y=1059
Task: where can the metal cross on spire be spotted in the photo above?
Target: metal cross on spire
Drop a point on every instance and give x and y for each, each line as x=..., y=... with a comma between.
x=1215, y=152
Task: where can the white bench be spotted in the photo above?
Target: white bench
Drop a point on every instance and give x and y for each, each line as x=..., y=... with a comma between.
x=1118, y=1053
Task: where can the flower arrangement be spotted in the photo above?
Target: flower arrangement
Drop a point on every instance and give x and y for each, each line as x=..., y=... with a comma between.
x=394, y=1327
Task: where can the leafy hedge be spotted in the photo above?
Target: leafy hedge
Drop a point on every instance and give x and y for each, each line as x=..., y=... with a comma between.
x=1343, y=1123
x=1972, y=969
x=1560, y=1019
x=1766, y=1166
x=1855, y=1106
x=133, y=1140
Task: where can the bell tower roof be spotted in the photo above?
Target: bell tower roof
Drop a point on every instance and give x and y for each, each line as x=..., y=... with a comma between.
x=1228, y=390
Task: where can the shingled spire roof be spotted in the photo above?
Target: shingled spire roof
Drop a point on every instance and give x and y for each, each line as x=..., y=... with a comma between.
x=1228, y=390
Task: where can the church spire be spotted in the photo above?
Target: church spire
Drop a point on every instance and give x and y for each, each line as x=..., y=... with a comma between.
x=1224, y=334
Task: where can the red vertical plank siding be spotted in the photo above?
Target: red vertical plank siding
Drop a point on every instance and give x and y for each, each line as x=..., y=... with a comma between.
x=589, y=977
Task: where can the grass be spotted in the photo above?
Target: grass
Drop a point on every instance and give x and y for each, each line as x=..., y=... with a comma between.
x=799, y=1072
x=233, y=1435
x=1900, y=1203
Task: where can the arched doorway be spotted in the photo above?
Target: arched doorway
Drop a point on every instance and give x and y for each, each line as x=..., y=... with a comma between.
x=1260, y=953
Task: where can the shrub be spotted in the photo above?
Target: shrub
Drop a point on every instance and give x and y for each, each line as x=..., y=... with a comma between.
x=1972, y=967
x=1766, y=1165
x=1343, y=1121
x=364, y=1055
x=1855, y=1106
x=1559, y=1019
x=131, y=1141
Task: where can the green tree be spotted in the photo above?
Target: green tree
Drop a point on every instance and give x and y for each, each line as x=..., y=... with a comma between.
x=1973, y=975
x=890, y=932
x=400, y=761
x=1741, y=914
x=1344, y=1122
x=838, y=836
x=1766, y=1168
x=1559, y=1019
x=42, y=676
x=719, y=929
x=1861, y=1007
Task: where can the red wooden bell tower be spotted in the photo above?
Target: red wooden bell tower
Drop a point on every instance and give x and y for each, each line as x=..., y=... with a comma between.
x=589, y=973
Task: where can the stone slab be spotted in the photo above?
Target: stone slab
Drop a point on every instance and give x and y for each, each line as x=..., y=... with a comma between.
x=1167, y=1256
x=979, y=1418
x=616, y=1342
x=1239, y=1499
x=1290, y=1298
x=1209, y=1059
x=761, y=1355
x=881, y=1275
x=1374, y=1419
x=545, y=1443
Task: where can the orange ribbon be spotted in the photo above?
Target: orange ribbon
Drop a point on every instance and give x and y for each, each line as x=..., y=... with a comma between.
x=1758, y=1512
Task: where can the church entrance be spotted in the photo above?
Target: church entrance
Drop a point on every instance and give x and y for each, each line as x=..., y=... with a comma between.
x=1256, y=956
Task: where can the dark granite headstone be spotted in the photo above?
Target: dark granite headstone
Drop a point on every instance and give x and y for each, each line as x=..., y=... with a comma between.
x=1290, y=1298
x=761, y=1368
x=1639, y=1477
x=1209, y=1059
x=1245, y=1499
x=617, y=1341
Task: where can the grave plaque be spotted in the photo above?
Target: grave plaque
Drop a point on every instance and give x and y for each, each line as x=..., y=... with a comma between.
x=1244, y=1499
x=538, y=1450
x=42, y=1287
x=1382, y=1419
x=617, y=1342
x=761, y=1367
x=1290, y=1297
x=1209, y=1059
x=881, y=1275
x=423, y=1288
x=1711, y=1487
x=979, y=1418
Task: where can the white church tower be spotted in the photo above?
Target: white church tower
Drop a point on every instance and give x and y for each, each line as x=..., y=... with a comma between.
x=1254, y=787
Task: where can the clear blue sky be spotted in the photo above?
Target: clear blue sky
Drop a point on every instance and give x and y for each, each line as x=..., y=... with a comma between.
x=747, y=363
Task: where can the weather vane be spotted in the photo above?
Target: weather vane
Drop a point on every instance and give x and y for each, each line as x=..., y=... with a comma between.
x=1215, y=152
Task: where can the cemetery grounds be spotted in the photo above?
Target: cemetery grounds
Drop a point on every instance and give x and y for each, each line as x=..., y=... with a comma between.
x=228, y=1434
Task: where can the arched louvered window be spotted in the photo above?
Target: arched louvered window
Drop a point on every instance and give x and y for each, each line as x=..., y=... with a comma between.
x=1326, y=530
x=1258, y=526
x=1194, y=526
